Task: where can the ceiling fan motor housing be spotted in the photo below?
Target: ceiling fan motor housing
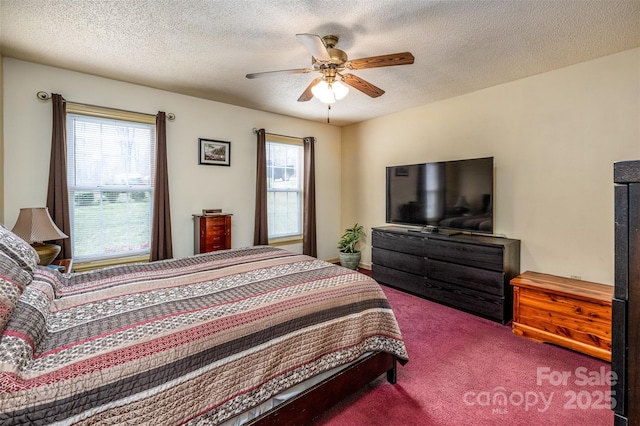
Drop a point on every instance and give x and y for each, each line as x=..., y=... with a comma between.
x=338, y=56
x=330, y=40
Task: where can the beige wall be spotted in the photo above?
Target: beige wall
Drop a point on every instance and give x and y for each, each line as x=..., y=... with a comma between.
x=27, y=137
x=554, y=136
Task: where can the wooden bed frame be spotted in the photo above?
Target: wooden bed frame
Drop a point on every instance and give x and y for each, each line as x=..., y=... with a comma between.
x=316, y=400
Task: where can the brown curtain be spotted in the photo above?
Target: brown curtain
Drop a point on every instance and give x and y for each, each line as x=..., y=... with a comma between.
x=57, y=194
x=260, y=231
x=161, y=244
x=309, y=244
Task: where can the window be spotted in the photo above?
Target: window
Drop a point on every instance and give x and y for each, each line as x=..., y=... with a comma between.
x=110, y=166
x=285, y=162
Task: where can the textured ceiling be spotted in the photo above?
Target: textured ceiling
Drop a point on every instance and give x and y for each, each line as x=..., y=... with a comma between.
x=204, y=48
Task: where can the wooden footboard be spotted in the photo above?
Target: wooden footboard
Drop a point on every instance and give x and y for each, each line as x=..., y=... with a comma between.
x=311, y=403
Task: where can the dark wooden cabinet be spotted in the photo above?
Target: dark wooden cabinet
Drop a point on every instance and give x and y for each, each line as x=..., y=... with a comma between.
x=625, y=345
x=467, y=272
x=212, y=232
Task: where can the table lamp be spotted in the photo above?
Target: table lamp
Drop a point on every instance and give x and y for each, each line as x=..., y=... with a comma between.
x=34, y=225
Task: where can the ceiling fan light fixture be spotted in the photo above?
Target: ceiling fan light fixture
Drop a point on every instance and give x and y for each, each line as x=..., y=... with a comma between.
x=340, y=89
x=328, y=93
x=323, y=92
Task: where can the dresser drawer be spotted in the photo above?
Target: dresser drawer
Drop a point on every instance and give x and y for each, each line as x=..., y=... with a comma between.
x=215, y=222
x=481, y=256
x=215, y=242
x=214, y=230
x=477, y=279
x=399, y=279
x=400, y=261
x=476, y=302
x=398, y=242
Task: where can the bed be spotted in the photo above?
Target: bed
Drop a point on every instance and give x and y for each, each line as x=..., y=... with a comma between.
x=199, y=340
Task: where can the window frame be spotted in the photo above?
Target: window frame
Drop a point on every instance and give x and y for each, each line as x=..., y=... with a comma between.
x=120, y=115
x=286, y=140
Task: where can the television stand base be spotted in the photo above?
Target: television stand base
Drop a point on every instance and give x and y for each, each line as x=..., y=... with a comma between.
x=468, y=272
x=435, y=230
x=448, y=232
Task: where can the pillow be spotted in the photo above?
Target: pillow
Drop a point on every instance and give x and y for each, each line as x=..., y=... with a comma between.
x=18, y=262
x=18, y=250
x=13, y=280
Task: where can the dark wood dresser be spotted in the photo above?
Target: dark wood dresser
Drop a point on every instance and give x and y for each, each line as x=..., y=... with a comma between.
x=467, y=272
x=625, y=347
x=211, y=232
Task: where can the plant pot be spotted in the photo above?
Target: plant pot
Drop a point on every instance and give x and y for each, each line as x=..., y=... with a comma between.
x=350, y=260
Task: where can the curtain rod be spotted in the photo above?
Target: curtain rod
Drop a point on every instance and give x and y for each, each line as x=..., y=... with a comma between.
x=255, y=131
x=44, y=96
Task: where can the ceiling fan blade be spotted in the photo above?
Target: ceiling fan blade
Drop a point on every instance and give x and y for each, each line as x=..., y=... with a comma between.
x=307, y=95
x=404, y=58
x=280, y=72
x=362, y=85
x=315, y=45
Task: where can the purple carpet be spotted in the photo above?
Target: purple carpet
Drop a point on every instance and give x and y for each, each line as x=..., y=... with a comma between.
x=464, y=370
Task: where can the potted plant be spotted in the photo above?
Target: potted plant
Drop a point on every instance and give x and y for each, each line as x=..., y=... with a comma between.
x=349, y=254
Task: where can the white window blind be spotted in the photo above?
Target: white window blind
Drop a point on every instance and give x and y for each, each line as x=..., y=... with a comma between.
x=111, y=167
x=285, y=162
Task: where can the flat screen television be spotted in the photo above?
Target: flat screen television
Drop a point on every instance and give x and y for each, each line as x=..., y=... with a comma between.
x=455, y=195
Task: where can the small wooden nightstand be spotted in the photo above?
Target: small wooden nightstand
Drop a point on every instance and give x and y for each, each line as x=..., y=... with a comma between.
x=571, y=313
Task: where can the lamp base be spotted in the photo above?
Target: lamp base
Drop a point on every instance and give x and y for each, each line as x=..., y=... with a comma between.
x=46, y=252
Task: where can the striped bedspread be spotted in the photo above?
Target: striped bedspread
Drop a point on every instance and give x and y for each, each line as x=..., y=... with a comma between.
x=188, y=341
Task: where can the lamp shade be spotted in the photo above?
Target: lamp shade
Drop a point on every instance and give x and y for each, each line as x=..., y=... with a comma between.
x=34, y=225
x=329, y=92
x=340, y=89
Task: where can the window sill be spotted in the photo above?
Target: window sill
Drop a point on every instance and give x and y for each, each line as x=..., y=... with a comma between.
x=285, y=241
x=97, y=264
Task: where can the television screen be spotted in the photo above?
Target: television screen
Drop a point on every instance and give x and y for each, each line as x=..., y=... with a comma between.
x=448, y=194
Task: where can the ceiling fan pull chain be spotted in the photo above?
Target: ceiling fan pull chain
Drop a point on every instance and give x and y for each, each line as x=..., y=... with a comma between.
x=328, y=109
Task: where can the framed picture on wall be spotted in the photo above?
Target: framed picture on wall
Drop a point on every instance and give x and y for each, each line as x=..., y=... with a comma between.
x=214, y=153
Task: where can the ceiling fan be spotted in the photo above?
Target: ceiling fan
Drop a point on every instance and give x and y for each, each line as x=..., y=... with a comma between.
x=331, y=63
